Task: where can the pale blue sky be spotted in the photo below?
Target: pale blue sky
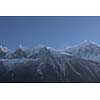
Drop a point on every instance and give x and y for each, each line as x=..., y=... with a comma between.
x=57, y=32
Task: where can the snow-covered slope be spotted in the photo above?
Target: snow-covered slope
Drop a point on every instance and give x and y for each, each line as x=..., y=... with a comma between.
x=87, y=49
x=4, y=51
x=46, y=64
x=21, y=52
x=49, y=68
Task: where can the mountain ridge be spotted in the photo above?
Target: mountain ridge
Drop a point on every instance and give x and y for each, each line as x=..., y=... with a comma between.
x=87, y=50
x=46, y=64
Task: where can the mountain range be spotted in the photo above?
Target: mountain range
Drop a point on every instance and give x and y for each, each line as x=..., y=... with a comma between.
x=79, y=63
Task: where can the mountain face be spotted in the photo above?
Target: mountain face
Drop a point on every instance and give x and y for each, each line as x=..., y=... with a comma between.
x=49, y=68
x=4, y=51
x=87, y=50
x=46, y=64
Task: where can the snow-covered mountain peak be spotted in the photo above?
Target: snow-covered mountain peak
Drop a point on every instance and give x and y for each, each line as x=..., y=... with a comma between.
x=87, y=49
x=3, y=49
x=20, y=47
x=84, y=45
x=40, y=46
x=53, y=49
x=88, y=42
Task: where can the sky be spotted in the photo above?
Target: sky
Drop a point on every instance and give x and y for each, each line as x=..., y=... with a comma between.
x=57, y=32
